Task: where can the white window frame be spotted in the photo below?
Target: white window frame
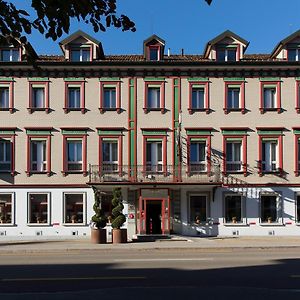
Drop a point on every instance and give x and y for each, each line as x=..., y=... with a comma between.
x=41, y=161
x=272, y=97
x=65, y=223
x=12, y=212
x=297, y=56
x=198, y=89
x=5, y=101
x=112, y=100
x=87, y=49
x=73, y=87
x=155, y=165
x=207, y=208
x=75, y=162
x=110, y=165
x=47, y=223
x=226, y=50
x=200, y=165
x=243, y=220
x=272, y=165
x=231, y=99
x=3, y=159
x=10, y=54
x=157, y=96
x=34, y=105
x=279, y=208
x=234, y=162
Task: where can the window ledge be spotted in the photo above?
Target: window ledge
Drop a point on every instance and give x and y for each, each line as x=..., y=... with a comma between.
x=264, y=110
x=271, y=224
x=229, y=110
x=236, y=224
x=65, y=173
x=193, y=110
x=147, y=109
x=33, y=109
x=68, y=109
x=12, y=225
x=74, y=224
x=104, y=109
x=39, y=224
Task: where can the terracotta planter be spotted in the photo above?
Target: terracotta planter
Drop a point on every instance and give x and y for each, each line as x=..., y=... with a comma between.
x=119, y=236
x=98, y=236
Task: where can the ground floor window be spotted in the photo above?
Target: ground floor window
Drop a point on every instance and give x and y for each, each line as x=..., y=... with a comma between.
x=74, y=208
x=38, y=208
x=198, y=208
x=233, y=209
x=298, y=209
x=107, y=206
x=269, y=208
x=5, y=209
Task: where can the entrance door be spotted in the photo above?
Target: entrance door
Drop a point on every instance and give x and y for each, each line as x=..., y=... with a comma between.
x=154, y=217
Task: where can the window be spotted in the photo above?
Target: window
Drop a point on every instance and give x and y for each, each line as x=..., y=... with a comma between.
x=110, y=155
x=4, y=97
x=233, y=209
x=198, y=208
x=297, y=151
x=10, y=55
x=226, y=54
x=198, y=162
x=5, y=155
x=270, y=151
x=270, y=97
x=154, y=155
x=74, y=96
x=269, y=208
x=234, y=96
x=293, y=54
x=74, y=208
x=38, y=208
x=198, y=96
x=233, y=156
x=154, y=53
x=81, y=54
x=38, y=156
x=38, y=96
x=298, y=209
x=269, y=155
x=110, y=97
x=6, y=213
x=154, y=96
x=74, y=156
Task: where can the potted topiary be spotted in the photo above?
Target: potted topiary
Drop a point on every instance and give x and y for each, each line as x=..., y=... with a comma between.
x=98, y=233
x=118, y=219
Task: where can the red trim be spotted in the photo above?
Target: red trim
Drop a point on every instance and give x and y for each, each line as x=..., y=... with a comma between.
x=297, y=105
x=48, y=155
x=262, y=109
x=155, y=46
x=65, y=170
x=81, y=85
x=296, y=147
x=241, y=85
x=161, y=85
x=117, y=85
x=30, y=108
x=205, y=85
x=13, y=149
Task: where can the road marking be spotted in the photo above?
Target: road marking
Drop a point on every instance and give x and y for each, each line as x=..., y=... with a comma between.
x=73, y=278
x=161, y=259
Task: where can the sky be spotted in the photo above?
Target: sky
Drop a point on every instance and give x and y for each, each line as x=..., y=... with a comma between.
x=188, y=24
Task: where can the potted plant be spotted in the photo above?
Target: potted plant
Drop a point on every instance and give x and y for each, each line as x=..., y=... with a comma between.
x=269, y=219
x=234, y=220
x=98, y=233
x=118, y=219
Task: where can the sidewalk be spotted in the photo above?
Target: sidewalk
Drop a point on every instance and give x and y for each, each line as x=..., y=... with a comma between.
x=48, y=245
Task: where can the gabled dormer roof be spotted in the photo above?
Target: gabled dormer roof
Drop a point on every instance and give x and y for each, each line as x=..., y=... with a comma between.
x=284, y=42
x=79, y=37
x=218, y=39
x=152, y=40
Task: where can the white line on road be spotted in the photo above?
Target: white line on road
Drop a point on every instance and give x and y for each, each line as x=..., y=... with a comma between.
x=161, y=259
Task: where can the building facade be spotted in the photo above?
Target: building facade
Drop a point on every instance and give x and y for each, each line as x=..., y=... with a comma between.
x=200, y=144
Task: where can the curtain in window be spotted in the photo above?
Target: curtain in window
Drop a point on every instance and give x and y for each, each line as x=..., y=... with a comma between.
x=38, y=95
x=4, y=97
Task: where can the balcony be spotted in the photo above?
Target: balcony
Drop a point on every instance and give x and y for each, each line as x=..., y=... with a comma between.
x=152, y=174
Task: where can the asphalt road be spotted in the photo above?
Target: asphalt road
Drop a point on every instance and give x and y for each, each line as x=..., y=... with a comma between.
x=149, y=274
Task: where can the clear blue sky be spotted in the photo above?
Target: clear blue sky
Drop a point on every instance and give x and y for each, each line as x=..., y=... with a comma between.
x=189, y=24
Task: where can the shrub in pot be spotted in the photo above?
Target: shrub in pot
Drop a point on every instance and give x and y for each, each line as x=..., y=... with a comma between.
x=98, y=233
x=119, y=235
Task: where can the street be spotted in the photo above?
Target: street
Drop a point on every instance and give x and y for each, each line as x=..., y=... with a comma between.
x=160, y=273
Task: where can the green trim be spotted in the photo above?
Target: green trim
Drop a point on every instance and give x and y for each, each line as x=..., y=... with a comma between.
x=154, y=132
x=269, y=139
x=234, y=132
x=200, y=86
x=176, y=112
x=198, y=79
x=153, y=140
x=109, y=85
x=234, y=86
x=38, y=132
x=227, y=46
x=269, y=132
x=269, y=86
x=233, y=140
x=38, y=79
x=154, y=79
x=74, y=79
x=297, y=78
x=234, y=79
x=198, y=139
x=198, y=132
x=110, y=139
x=110, y=79
x=6, y=79
x=269, y=79
x=7, y=132
x=110, y=132
x=296, y=131
x=73, y=132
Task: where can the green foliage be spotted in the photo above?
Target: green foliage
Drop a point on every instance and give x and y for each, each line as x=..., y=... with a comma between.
x=98, y=218
x=118, y=218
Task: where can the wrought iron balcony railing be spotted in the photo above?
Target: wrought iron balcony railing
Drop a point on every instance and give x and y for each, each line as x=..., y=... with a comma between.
x=153, y=173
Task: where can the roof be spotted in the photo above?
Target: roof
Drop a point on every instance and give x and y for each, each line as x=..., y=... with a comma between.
x=77, y=34
x=279, y=46
x=220, y=37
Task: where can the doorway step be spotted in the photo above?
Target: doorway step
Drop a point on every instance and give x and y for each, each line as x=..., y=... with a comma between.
x=156, y=238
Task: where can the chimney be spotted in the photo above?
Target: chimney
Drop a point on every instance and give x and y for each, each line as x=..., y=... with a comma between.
x=169, y=50
x=182, y=52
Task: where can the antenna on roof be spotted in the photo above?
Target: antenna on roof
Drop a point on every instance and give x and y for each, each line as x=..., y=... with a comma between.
x=182, y=51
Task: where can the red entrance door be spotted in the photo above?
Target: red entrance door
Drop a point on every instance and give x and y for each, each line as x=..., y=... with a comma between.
x=154, y=216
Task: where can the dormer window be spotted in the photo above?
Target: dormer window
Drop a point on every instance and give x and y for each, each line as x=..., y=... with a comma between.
x=80, y=54
x=226, y=54
x=293, y=54
x=154, y=53
x=154, y=48
x=10, y=54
